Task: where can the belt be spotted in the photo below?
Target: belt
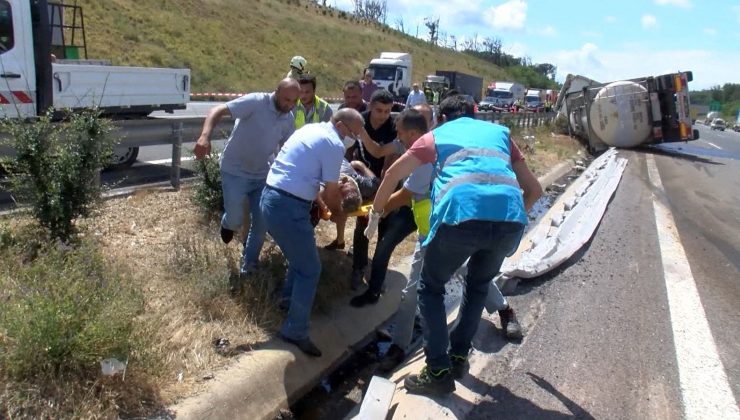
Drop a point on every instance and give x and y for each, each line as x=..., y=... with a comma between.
x=283, y=192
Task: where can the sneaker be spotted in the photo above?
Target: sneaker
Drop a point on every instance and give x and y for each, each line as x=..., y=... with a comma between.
x=460, y=366
x=226, y=235
x=356, y=280
x=429, y=382
x=392, y=358
x=509, y=323
x=367, y=298
x=334, y=245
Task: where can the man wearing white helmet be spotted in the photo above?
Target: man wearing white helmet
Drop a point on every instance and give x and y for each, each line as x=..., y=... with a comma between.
x=297, y=67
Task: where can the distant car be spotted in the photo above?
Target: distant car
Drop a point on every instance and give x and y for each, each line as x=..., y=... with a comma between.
x=736, y=127
x=535, y=106
x=487, y=104
x=718, y=124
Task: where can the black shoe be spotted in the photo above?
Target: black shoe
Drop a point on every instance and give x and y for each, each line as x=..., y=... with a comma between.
x=428, y=382
x=460, y=366
x=306, y=345
x=393, y=358
x=334, y=245
x=510, y=325
x=367, y=298
x=356, y=280
x=226, y=235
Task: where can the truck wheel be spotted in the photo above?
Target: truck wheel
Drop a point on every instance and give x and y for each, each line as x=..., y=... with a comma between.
x=124, y=157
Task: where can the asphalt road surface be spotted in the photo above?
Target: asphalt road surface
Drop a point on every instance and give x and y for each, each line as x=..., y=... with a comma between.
x=644, y=322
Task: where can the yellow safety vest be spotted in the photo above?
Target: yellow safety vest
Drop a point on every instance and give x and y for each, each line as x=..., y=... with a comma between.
x=422, y=210
x=319, y=106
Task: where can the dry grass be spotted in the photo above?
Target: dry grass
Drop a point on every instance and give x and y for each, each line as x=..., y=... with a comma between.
x=547, y=149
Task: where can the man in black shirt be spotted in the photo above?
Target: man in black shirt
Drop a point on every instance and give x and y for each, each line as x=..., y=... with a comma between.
x=353, y=97
x=380, y=126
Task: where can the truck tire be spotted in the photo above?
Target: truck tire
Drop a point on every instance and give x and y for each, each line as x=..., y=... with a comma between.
x=124, y=157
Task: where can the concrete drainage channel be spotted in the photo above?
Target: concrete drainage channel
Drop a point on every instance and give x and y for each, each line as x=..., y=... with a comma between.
x=340, y=392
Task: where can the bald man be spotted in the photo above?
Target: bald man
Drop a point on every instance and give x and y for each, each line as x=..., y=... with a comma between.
x=263, y=122
x=312, y=156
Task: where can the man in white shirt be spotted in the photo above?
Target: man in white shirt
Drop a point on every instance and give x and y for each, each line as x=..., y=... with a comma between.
x=416, y=97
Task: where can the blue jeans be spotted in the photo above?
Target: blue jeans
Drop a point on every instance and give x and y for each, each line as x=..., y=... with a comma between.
x=289, y=223
x=403, y=320
x=486, y=244
x=236, y=189
x=398, y=225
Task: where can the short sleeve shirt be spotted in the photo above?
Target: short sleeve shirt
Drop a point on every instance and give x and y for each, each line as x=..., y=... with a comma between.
x=259, y=130
x=385, y=134
x=312, y=155
x=425, y=150
x=420, y=181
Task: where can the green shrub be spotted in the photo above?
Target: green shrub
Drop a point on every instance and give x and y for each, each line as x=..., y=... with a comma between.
x=208, y=193
x=57, y=165
x=63, y=313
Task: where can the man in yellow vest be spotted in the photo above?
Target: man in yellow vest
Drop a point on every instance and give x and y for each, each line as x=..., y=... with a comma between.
x=310, y=108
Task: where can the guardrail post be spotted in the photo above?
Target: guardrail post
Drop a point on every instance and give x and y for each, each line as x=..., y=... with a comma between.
x=176, y=155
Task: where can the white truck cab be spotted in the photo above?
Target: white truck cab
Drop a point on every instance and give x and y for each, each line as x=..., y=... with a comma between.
x=504, y=94
x=32, y=80
x=392, y=71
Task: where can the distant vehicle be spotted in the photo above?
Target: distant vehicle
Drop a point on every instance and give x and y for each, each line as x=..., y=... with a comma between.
x=488, y=104
x=437, y=85
x=710, y=117
x=534, y=101
x=392, y=71
x=505, y=93
x=736, y=127
x=628, y=113
x=718, y=124
x=464, y=83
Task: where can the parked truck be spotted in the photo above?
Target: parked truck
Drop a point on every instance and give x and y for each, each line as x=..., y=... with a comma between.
x=435, y=86
x=466, y=84
x=44, y=66
x=505, y=94
x=392, y=71
x=534, y=100
x=628, y=113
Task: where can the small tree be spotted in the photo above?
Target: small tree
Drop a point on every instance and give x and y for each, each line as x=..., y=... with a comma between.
x=433, y=26
x=57, y=165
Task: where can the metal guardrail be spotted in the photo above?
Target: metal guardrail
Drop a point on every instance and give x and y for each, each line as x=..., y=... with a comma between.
x=156, y=132
x=518, y=119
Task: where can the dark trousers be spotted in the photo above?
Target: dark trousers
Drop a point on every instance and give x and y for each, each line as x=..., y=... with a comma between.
x=392, y=229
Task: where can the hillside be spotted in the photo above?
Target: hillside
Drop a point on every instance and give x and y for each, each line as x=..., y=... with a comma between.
x=246, y=45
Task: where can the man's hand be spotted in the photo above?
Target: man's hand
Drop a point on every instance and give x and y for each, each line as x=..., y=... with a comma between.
x=202, y=147
x=372, y=224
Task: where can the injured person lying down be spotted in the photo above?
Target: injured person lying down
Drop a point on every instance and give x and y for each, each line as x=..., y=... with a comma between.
x=357, y=183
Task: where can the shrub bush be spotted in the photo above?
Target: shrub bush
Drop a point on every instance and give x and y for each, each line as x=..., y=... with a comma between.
x=57, y=165
x=208, y=193
x=63, y=313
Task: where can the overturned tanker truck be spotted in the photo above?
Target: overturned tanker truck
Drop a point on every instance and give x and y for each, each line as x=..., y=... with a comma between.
x=627, y=113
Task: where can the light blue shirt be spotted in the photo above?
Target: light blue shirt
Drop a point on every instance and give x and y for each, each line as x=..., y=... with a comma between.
x=259, y=131
x=311, y=156
x=416, y=98
x=420, y=182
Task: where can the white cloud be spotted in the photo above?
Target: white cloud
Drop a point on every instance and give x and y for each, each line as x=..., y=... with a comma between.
x=710, y=68
x=510, y=15
x=649, y=21
x=686, y=4
x=548, y=30
x=710, y=31
x=610, y=19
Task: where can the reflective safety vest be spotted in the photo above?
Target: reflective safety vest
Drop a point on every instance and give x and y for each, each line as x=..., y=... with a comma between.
x=475, y=180
x=319, y=108
x=422, y=210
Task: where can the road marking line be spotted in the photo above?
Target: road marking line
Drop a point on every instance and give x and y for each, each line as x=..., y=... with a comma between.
x=163, y=161
x=705, y=390
x=713, y=145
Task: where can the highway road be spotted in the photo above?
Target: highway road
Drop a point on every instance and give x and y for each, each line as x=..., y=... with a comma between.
x=644, y=322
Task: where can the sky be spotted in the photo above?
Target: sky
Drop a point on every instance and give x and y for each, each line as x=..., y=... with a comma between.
x=602, y=40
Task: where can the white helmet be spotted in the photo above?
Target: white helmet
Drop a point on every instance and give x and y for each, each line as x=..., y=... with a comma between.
x=298, y=62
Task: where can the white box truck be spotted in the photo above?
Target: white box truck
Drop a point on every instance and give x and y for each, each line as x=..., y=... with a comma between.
x=504, y=94
x=33, y=79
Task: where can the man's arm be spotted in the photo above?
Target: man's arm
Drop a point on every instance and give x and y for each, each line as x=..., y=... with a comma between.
x=399, y=170
x=203, y=145
x=376, y=149
x=528, y=182
x=327, y=114
x=398, y=199
x=332, y=197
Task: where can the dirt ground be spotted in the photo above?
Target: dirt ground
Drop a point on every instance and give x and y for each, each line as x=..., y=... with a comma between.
x=176, y=257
